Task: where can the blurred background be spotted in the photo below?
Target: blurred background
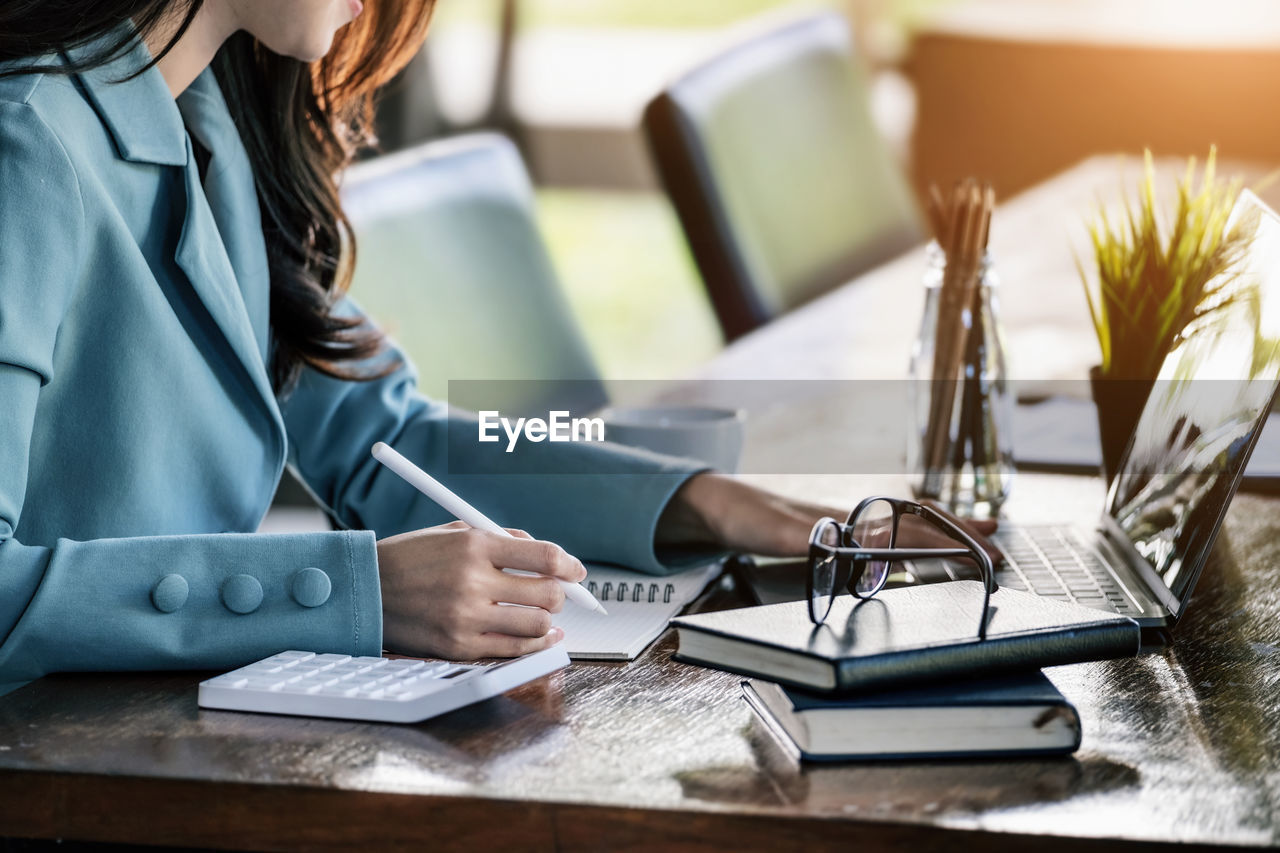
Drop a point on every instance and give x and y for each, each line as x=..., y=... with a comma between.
x=1009, y=90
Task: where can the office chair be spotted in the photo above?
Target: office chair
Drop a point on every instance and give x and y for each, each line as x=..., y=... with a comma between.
x=450, y=262
x=780, y=180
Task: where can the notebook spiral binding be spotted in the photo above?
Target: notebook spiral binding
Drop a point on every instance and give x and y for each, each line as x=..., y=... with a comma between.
x=637, y=593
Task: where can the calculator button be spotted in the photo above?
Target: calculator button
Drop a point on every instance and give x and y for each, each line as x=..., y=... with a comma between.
x=297, y=687
x=333, y=659
x=422, y=688
x=337, y=690
x=314, y=663
x=349, y=669
x=404, y=665
x=295, y=656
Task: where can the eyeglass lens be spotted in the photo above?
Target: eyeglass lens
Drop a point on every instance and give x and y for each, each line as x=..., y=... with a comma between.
x=824, y=574
x=874, y=525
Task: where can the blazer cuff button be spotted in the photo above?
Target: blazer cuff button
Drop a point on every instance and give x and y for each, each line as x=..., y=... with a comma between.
x=169, y=593
x=311, y=587
x=241, y=593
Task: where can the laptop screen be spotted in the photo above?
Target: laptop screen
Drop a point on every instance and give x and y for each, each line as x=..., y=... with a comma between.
x=1209, y=403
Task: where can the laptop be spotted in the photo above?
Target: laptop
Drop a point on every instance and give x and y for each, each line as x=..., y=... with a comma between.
x=1184, y=462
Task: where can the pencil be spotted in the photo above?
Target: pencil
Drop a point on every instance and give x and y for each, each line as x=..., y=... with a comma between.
x=962, y=230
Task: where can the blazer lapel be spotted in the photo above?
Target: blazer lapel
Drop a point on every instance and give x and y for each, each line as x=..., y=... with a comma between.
x=147, y=127
x=232, y=197
x=203, y=257
x=138, y=112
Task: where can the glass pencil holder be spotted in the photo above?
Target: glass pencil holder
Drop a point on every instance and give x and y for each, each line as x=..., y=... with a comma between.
x=959, y=447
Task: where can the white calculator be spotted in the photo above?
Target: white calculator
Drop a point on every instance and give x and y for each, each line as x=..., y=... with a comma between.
x=369, y=688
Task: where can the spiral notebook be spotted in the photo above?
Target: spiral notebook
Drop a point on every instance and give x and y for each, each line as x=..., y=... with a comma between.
x=640, y=606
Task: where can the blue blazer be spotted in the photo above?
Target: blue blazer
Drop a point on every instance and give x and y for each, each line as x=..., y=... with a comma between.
x=141, y=442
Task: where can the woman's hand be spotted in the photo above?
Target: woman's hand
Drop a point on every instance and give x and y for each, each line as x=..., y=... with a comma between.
x=715, y=509
x=441, y=587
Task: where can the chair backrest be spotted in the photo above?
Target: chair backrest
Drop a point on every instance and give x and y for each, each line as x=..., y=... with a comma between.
x=780, y=179
x=451, y=263
x=409, y=107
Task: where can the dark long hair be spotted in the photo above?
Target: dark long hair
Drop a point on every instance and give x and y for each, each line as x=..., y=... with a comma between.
x=301, y=123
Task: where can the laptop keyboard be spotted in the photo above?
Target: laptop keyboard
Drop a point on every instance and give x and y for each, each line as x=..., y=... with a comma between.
x=1053, y=562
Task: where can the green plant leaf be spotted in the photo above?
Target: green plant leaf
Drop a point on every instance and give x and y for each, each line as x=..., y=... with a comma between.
x=1153, y=275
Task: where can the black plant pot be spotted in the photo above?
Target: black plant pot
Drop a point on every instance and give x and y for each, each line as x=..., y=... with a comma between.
x=1119, y=403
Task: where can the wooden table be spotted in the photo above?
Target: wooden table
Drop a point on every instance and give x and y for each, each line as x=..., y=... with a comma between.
x=1180, y=747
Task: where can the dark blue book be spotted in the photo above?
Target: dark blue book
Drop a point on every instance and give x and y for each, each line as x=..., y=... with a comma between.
x=1021, y=714
x=903, y=637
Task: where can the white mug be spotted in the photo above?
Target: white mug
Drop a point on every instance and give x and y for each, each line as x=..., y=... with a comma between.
x=704, y=433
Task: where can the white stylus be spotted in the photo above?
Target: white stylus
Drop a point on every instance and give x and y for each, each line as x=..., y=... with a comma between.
x=463, y=511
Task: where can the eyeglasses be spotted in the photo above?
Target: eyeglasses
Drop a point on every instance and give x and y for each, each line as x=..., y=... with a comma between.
x=859, y=554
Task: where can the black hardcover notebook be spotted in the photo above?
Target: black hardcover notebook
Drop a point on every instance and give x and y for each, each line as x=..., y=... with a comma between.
x=1021, y=714
x=902, y=637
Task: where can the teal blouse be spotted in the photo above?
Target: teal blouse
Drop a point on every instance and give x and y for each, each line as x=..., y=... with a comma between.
x=141, y=443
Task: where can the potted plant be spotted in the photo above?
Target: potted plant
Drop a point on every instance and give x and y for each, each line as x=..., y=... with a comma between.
x=1153, y=275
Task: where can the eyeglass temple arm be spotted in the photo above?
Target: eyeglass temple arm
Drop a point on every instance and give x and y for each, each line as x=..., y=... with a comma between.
x=988, y=574
x=988, y=570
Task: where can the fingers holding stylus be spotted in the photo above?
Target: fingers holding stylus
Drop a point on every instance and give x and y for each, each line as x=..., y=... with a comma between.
x=543, y=593
x=440, y=589
x=527, y=622
x=460, y=509
x=534, y=555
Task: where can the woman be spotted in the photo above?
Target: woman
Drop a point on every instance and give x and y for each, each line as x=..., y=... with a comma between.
x=173, y=331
